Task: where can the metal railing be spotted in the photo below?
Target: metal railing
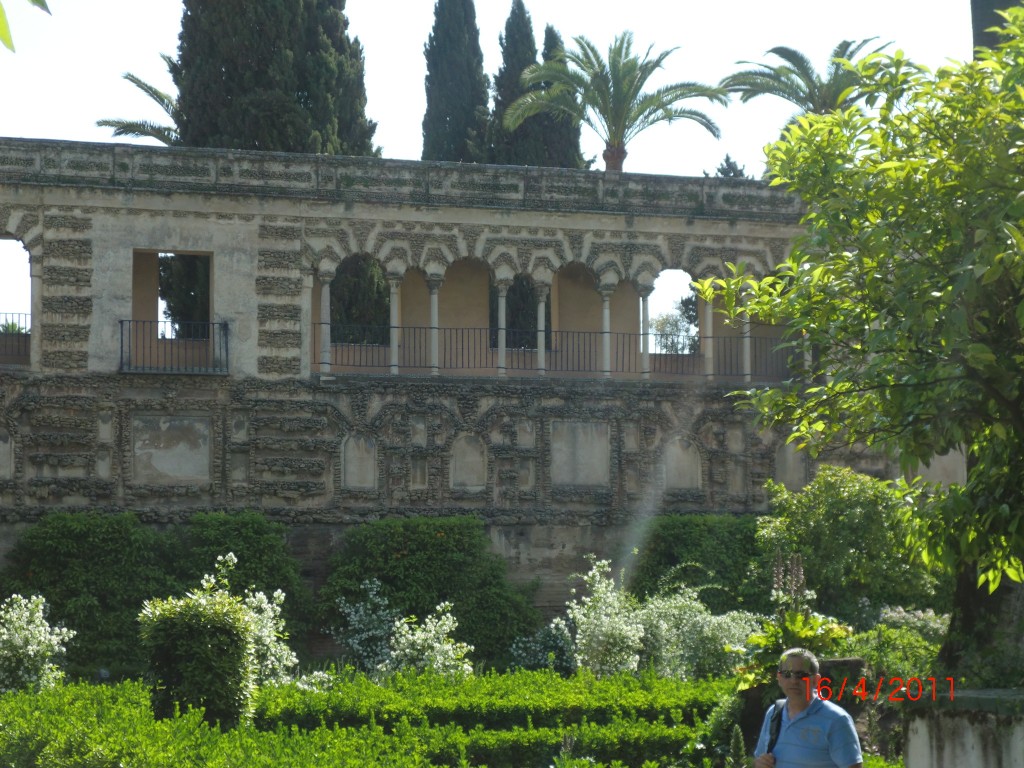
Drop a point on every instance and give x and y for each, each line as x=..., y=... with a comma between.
x=164, y=346
x=474, y=351
x=15, y=338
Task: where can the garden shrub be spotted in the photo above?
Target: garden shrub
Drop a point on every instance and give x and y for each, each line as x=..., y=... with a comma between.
x=95, y=571
x=894, y=651
x=421, y=562
x=850, y=530
x=264, y=563
x=428, y=646
x=708, y=552
x=210, y=649
x=550, y=647
x=683, y=639
x=367, y=627
x=29, y=647
x=609, y=632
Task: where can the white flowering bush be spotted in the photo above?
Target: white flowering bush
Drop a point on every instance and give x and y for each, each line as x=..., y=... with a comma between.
x=429, y=646
x=29, y=646
x=609, y=628
x=683, y=639
x=211, y=648
x=930, y=625
x=368, y=627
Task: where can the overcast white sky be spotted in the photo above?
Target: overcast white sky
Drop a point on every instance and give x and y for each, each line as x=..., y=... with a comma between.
x=66, y=72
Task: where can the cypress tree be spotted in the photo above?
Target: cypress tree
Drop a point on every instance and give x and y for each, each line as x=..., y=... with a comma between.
x=273, y=75
x=983, y=18
x=236, y=76
x=455, y=121
x=525, y=145
x=332, y=88
x=561, y=137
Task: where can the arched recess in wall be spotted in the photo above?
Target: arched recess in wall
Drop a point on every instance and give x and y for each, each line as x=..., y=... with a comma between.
x=15, y=304
x=520, y=314
x=360, y=302
x=674, y=311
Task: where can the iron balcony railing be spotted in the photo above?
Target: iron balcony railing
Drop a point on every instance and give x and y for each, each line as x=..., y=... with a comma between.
x=163, y=346
x=15, y=338
x=475, y=351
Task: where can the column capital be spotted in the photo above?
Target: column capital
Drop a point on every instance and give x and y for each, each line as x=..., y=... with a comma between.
x=543, y=291
x=434, y=283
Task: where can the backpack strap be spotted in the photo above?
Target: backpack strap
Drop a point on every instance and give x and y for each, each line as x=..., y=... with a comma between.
x=775, y=725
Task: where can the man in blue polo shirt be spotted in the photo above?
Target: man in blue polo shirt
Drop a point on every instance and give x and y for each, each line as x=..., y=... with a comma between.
x=813, y=733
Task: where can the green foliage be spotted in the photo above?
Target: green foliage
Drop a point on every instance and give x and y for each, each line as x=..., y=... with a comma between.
x=904, y=295
x=849, y=529
x=210, y=649
x=94, y=570
x=561, y=137
x=455, y=121
x=609, y=630
x=708, y=552
x=737, y=752
x=279, y=75
x=184, y=285
x=683, y=639
x=676, y=333
x=429, y=646
x=581, y=86
x=894, y=651
x=793, y=625
x=29, y=647
x=201, y=654
x=421, y=562
x=796, y=81
x=361, y=297
x=260, y=547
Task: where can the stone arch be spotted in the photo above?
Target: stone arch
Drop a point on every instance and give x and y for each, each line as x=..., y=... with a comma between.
x=468, y=467
x=360, y=301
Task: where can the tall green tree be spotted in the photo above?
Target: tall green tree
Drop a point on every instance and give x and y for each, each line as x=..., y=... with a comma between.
x=525, y=145
x=905, y=299
x=561, y=137
x=677, y=332
x=455, y=122
x=608, y=96
x=275, y=75
x=332, y=88
x=796, y=80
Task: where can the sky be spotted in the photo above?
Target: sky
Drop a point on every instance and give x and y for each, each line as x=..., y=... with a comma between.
x=67, y=70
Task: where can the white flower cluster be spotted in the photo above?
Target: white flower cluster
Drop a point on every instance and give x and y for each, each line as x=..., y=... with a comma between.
x=369, y=624
x=429, y=646
x=685, y=640
x=609, y=628
x=274, y=659
x=29, y=646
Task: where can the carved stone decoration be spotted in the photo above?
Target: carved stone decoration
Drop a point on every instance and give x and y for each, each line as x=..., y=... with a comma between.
x=468, y=464
x=359, y=463
x=683, y=466
x=580, y=453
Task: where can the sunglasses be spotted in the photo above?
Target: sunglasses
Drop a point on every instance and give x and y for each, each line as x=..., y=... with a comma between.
x=789, y=674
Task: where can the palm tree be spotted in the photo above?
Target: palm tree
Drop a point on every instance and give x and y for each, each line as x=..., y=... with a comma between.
x=168, y=134
x=797, y=82
x=608, y=96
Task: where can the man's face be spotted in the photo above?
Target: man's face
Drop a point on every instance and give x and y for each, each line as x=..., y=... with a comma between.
x=795, y=678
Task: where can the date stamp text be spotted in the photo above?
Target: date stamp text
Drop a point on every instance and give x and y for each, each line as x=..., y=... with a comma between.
x=892, y=688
